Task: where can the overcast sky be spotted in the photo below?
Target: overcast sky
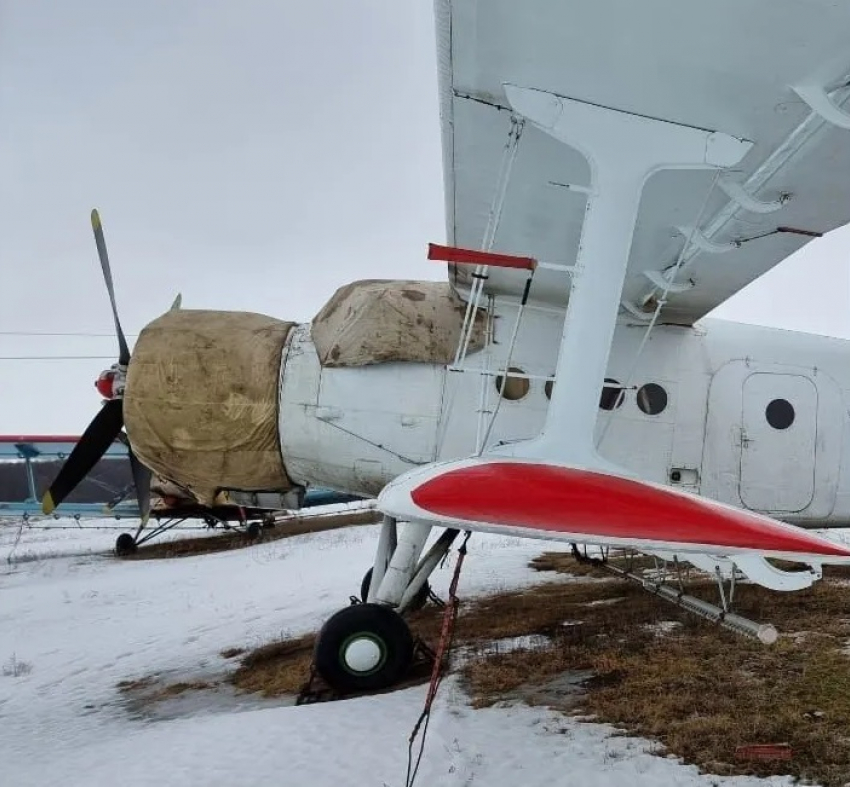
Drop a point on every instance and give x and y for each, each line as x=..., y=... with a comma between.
x=252, y=155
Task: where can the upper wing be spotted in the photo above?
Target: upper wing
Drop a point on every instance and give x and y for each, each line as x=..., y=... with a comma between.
x=724, y=66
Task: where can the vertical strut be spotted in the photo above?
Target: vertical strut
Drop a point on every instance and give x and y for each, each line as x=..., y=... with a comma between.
x=402, y=564
x=386, y=547
x=493, y=219
x=426, y=566
x=623, y=151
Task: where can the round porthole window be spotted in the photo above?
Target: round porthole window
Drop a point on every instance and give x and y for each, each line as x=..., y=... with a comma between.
x=515, y=387
x=779, y=413
x=612, y=395
x=652, y=399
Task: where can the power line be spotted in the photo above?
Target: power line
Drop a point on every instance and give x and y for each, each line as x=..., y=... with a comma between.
x=61, y=333
x=56, y=357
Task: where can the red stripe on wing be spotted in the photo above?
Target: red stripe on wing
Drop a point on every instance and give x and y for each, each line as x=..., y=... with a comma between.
x=560, y=499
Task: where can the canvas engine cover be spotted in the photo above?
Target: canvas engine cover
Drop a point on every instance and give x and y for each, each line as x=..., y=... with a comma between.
x=201, y=400
x=381, y=321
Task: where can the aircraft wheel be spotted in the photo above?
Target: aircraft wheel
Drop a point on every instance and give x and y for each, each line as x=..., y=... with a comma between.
x=420, y=600
x=125, y=545
x=364, y=647
x=254, y=530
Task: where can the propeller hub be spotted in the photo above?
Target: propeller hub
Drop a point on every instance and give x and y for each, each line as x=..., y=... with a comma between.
x=110, y=383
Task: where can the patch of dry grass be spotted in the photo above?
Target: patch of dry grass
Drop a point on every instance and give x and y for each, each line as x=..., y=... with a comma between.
x=188, y=547
x=139, y=684
x=565, y=563
x=173, y=689
x=699, y=690
x=149, y=690
x=276, y=669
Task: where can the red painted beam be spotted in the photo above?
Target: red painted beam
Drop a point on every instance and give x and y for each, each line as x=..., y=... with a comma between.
x=476, y=257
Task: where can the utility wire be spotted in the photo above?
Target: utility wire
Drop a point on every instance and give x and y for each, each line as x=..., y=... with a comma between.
x=62, y=333
x=56, y=357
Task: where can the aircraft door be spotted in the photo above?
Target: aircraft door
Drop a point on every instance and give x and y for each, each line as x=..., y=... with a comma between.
x=778, y=442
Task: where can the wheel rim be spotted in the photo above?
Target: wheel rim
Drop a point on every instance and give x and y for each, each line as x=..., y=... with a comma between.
x=362, y=654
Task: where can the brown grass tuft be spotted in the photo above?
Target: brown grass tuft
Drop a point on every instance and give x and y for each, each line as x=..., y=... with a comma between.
x=276, y=669
x=139, y=684
x=173, y=689
x=565, y=563
x=147, y=691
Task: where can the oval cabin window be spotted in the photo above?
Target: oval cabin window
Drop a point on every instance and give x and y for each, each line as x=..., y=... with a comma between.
x=612, y=395
x=652, y=399
x=515, y=387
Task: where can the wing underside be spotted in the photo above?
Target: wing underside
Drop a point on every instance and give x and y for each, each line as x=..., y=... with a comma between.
x=722, y=66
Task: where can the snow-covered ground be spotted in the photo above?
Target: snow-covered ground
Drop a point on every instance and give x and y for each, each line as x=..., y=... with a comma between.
x=74, y=622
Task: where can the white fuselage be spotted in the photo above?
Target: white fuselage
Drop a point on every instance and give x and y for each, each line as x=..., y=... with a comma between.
x=355, y=429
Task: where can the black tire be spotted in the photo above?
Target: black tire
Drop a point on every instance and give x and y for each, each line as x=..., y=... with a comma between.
x=372, y=625
x=125, y=545
x=419, y=601
x=254, y=530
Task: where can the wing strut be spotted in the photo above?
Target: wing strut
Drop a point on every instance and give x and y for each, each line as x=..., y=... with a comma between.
x=821, y=104
x=623, y=150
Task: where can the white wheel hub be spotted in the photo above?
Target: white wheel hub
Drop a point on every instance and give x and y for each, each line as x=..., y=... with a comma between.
x=362, y=654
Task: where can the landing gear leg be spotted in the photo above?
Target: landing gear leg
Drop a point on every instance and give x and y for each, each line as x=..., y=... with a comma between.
x=416, y=603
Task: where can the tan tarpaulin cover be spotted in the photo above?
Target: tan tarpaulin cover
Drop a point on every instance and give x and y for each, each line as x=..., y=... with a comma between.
x=374, y=321
x=201, y=402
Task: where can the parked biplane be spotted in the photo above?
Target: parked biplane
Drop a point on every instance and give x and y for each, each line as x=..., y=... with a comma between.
x=613, y=171
x=29, y=462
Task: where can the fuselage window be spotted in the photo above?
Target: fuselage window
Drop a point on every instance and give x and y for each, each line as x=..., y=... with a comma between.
x=779, y=413
x=652, y=399
x=515, y=387
x=612, y=395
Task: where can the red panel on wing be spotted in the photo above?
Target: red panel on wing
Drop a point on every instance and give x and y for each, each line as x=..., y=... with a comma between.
x=476, y=257
x=546, y=497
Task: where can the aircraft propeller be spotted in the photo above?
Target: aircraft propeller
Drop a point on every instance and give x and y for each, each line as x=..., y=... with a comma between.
x=107, y=425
